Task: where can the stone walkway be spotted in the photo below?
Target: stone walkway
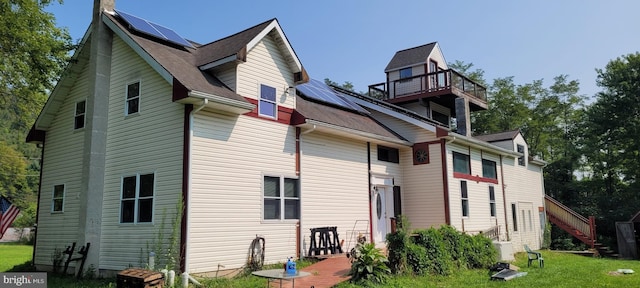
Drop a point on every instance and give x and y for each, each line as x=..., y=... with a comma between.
x=324, y=274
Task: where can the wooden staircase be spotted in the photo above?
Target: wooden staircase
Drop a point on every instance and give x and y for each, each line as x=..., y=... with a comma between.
x=584, y=229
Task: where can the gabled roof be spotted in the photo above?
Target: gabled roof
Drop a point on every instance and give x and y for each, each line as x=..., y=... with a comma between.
x=231, y=45
x=410, y=57
x=495, y=137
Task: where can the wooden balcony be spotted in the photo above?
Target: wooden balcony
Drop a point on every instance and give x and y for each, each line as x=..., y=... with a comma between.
x=442, y=87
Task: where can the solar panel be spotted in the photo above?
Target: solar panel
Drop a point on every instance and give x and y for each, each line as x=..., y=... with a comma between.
x=320, y=91
x=153, y=29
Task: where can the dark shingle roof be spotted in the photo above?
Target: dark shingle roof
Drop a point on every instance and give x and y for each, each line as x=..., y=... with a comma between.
x=411, y=56
x=346, y=119
x=507, y=135
x=228, y=46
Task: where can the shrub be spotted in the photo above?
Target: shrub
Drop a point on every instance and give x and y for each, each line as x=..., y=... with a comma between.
x=439, y=258
x=417, y=259
x=397, y=247
x=482, y=253
x=457, y=244
x=370, y=265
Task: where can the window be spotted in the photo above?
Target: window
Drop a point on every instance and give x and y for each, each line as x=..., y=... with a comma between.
x=57, y=202
x=514, y=216
x=267, y=105
x=524, y=223
x=405, y=73
x=388, y=154
x=461, y=163
x=442, y=118
x=132, y=105
x=521, y=158
x=281, y=194
x=492, y=201
x=465, y=198
x=137, y=198
x=79, y=115
x=489, y=169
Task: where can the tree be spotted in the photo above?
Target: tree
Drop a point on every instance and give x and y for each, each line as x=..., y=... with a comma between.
x=33, y=53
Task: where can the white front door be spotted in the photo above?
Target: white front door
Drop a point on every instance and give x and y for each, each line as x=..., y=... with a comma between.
x=380, y=215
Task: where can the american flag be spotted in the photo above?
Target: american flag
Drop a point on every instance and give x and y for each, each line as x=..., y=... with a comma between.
x=8, y=213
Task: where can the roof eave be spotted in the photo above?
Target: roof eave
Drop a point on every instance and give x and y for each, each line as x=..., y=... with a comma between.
x=217, y=102
x=351, y=133
x=456, y=138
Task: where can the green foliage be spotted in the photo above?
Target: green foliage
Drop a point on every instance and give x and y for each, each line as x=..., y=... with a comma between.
x=546, y=237
x=167, y=249
x=438, y=251
x=369, y=266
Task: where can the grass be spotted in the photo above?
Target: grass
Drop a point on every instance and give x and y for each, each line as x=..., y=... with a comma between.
x=561, y=270
x=14, y=254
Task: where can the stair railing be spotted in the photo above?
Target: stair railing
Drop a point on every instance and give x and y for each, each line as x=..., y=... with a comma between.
x=572, y=219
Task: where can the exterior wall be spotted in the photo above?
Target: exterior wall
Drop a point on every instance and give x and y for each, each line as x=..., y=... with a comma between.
x=62, y=164
x=436, y=55
x=228, y=77
x=266, y=65
x=525, y=188
x=226, y=195
x=479, y=218
x=147, y=142
x=334, y=185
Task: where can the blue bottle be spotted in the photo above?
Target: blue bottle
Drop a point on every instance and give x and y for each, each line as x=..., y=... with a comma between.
x=291, y=266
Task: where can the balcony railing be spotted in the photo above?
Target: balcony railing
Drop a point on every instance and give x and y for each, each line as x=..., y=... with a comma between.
x=435, y=82
x=577, y=225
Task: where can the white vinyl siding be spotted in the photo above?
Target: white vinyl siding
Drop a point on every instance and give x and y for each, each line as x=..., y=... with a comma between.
x=266, y=65
x=149, y=142
x=335, y=185
x=228, y=77
x=479, y=218
x=62, y=163
x=228, y=166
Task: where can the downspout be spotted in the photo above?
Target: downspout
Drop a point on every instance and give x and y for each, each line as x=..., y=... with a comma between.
x=504, y=199
x=369, y=192
x=186, y=195
x=445, y=179
x=299, y=134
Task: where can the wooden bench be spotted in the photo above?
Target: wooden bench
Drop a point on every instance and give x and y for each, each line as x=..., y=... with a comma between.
x=533, y=255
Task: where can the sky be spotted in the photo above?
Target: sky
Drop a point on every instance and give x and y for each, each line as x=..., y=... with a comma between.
x=353, y=41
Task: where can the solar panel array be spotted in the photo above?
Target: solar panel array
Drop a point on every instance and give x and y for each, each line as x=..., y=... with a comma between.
x=153, y=29
x=320, y=91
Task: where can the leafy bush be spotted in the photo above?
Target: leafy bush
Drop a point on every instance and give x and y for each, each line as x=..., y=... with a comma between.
x=397, y=245
x=438, y=251
x=370, y=265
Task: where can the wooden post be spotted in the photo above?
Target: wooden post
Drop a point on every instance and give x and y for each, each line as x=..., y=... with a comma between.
x=592, y=225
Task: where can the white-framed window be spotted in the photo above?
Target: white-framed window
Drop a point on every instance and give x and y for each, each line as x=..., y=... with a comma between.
x=521, y=160
x=136, y=203
x=281, y=198
x=132, y=103
x=464, y=195
x=492, y=201
x=79, y=114
x=267, y=105
x=57, y=201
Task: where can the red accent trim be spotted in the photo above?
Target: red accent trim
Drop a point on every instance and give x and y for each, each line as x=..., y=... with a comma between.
x=445, y=182
x=179, y=91
x=540, y=209
x=441, y=132
x=297, y=118
x=35, y=234
x=369, y=193
x=284, y=113
x=186, y=139
x=474, y=178
x=421, y=146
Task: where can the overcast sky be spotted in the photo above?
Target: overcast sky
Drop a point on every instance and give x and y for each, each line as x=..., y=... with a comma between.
x=354, y=40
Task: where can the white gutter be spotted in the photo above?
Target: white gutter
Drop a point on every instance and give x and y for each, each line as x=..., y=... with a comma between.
x=481, y=144
x=222, y=100
x=190, y=168
x=316, y=123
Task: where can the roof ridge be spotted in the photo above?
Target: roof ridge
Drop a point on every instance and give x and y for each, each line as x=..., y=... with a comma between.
x=237, y=33
x=420, y=46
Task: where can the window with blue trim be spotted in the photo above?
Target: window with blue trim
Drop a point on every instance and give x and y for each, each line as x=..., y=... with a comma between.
x=267, y=105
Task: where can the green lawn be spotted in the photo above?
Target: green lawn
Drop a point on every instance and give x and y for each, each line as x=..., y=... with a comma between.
x=561, y=270
x=14, y=254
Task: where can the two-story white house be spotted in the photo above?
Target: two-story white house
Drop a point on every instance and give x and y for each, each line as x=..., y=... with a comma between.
x=237, y=133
